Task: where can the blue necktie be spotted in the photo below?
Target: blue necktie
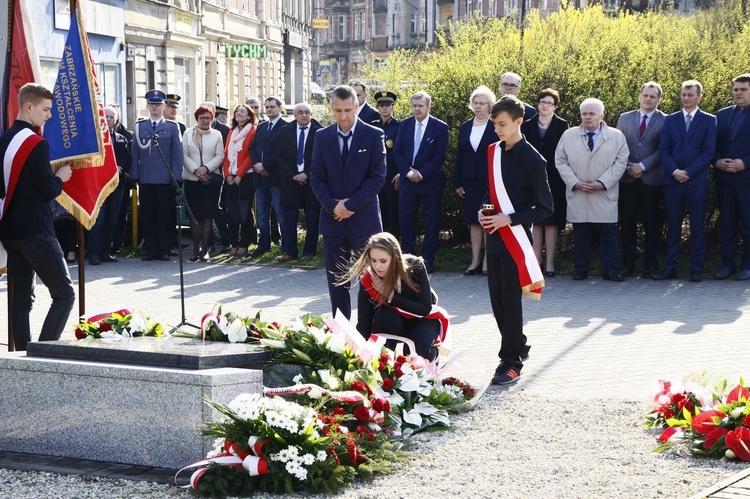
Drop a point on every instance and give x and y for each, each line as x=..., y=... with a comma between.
x=301, y=146
x=417, y=141
x=591, y=140
x=153, y=123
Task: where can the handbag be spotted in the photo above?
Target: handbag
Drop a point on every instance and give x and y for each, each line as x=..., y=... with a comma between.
x=236, y=211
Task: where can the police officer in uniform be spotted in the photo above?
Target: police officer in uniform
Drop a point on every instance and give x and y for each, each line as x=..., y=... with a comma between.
x=150, y=172
x=172, y=102
x=388, y=195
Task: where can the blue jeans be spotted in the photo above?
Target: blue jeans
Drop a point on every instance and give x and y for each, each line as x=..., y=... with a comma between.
x=264, y=196
x=103, y=231
x=42, y=255
x=582, y=246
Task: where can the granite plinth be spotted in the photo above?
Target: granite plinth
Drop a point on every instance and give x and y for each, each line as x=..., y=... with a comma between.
x=161, y=351
x=140, y=415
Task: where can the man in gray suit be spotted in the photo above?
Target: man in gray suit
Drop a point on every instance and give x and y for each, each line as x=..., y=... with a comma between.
x=641, y=190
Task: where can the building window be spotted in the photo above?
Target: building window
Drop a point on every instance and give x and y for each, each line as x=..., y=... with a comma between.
x=362, y=30
x=109, y=82
x=342, y=28
x=413, y=23
x=356, y=26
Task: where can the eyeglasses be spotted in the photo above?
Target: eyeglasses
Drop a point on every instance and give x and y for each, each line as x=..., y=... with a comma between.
x=305, y=112
x=545, y=103
x=509, y=85
x=205, y=118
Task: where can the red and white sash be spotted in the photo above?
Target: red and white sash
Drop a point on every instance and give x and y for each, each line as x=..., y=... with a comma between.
x=15, y=157
x=529, y=272
x=436, y=313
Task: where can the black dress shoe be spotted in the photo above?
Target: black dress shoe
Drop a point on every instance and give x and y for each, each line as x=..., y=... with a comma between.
x=164, y=257
x=742, y=275
x=723, y=273
x=173, y=251
x=195, y=257
x=549, y=273
x=579, y=275
x=627, y=272
x=94, y=260
x=696, y=276
x=147, y=257
x=667, y=274
x=108, y=259
x=613, y=276
x=648, y=273
x=257, y=253
x=474, y=271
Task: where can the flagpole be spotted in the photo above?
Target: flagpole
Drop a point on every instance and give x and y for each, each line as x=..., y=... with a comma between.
x=81, y=248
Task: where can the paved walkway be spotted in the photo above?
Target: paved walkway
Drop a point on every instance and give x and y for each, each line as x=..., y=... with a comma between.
x=589, y=339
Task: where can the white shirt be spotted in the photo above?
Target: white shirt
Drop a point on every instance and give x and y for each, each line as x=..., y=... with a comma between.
x=350, y=132
x=416, y=127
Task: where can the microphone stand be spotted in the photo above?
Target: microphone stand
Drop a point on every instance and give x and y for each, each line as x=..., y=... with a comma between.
x=179, y=200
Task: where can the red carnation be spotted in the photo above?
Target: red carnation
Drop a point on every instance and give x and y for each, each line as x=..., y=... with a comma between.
x=385, y=357
x=387, y=384
x=105, y=326
x=275, y=325
x=338, y=411
x=401, y=359
x=80, y=333
x=381, y=366
x=399, y=372
x=362, y=414
x=387, y=406
x=359, y=386
x=378, y=405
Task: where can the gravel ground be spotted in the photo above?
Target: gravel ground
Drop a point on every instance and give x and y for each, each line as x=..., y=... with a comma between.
x=512, y=445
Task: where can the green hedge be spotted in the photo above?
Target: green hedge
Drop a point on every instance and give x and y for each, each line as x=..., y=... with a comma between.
x=581, y=53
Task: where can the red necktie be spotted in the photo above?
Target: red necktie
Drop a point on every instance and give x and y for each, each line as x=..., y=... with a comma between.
x=643, y=125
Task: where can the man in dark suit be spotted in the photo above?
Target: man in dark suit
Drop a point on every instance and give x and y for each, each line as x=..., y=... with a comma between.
x=420, y=150
x=267, y=177
x=520, y=177
x=148, y=170
x=346, y=174
x=510, y=84
x=294, y=156
x=364, y=112
x=688, y=143
x=216, y=124
x=731, y=163
x=641, y=190
x=388, y=195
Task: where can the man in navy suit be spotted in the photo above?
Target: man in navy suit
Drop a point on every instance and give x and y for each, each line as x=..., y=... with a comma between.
x=364, y=112
x=688, y=142
x=420, y=149
x=346, y=174
x=267, y=175
x=731, y=163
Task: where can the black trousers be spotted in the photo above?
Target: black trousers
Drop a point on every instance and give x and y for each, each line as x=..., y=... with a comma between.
x=641, y=202
x=157, y=214
x=505, y=297
x=423, y=332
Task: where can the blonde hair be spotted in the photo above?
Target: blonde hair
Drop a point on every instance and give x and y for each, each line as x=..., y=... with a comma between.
x=399, y=267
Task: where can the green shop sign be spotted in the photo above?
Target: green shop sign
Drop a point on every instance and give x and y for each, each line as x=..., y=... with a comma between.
x=247, y=50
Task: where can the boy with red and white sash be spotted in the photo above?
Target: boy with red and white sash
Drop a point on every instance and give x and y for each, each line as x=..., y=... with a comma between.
x=520, y=194
x=26, y=229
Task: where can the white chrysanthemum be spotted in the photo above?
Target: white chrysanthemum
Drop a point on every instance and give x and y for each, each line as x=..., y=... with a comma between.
x=322, y=456
x=292, y=467
x=301, y=473
x=308, y=459
x=273, y=418
x=293, y=451
x=237, y=333
x=282, y=455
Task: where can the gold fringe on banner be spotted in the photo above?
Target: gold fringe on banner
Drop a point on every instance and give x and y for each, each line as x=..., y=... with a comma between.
x=80, y=214
x=527, y=290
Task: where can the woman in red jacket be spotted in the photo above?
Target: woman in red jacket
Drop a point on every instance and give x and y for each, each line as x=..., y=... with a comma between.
x=237, y=194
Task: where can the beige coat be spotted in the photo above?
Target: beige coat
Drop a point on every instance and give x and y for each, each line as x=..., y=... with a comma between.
x=606, y=163
x=213, y=153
